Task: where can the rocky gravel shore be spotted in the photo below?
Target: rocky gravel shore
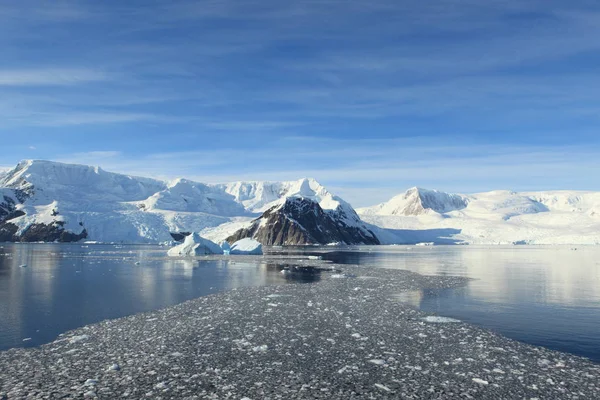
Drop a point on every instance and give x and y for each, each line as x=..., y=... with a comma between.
x=344, y=337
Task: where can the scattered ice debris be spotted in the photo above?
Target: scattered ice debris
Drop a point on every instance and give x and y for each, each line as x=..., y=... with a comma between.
x=260, y=349
x=77, y=339
x=383, y=387
x=91, y=382
x=480, y=381
x=160, y=386
x=315, y=257
x=342, y=276
x=425, y=244
x=439, y=320
x=90, y=393
x=114, y=368
x=247, y=247
x=195, y=245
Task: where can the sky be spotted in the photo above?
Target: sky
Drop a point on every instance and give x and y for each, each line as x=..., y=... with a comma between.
x=368, y=97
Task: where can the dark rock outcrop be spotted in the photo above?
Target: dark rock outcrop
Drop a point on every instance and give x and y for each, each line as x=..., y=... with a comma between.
x=180, y=236
x=301, y=221
x=39, y=233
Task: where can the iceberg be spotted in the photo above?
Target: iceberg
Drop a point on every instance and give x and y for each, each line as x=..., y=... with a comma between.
x=247, y=246
x=225, y=247
x=195, y=245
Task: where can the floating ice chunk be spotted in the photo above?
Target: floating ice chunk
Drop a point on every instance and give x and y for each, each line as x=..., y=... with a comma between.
x=114, y=368
x=480, y=381
x=160, y=386
x=383, y=387
x=27, y=339
x=260, y=349
x=342, y=276
x=439, y=320
x=23, y=266
x=315, y=257
x=195, y=245
x=247, y=246
x=76, y=339
x=377, y=362
x=91, y=382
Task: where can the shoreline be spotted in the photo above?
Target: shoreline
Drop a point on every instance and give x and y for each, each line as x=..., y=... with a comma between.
x=343, y=337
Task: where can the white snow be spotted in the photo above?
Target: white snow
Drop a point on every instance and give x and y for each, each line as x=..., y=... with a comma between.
x=225, y=247
x=497, y=217
x=246, y=246
x=120, y=208
x=195, y=245
x=439, y=320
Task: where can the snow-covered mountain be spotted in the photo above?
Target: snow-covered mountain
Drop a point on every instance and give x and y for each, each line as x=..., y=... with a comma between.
x=301, y=220
x=48, y=201
x=497, y=217
x=417, y=201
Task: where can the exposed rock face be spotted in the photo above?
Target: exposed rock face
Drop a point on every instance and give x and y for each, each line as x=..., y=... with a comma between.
x=39, y=233
x=301, y=221
x=50, y=233
x=10, y=200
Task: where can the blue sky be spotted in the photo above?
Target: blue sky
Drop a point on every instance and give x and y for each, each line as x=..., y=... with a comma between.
x=368, y=97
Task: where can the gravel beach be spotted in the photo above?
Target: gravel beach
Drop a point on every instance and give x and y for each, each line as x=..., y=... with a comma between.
x=343, y=337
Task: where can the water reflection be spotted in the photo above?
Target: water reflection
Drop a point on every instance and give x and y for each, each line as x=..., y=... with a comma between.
x=544, y=295
x=68, y=286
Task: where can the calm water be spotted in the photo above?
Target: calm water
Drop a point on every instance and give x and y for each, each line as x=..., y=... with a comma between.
x=67, y=286
x=546, y=296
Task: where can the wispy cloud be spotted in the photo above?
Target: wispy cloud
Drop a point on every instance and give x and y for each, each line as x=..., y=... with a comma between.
x=50, y=77
x=502, y=94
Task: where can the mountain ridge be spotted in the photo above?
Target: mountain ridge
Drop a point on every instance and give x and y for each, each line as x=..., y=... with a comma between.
x=110, y=207
x=49, y=201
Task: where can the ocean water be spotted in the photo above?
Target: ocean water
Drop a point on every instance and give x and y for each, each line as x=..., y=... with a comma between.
x=543, y=295
x=65, y=286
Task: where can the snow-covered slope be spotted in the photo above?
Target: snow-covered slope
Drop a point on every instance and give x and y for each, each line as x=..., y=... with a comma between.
x=497, y=217
x=110, y=207
x=417, y=201
x=44, y=200
x=258, y=197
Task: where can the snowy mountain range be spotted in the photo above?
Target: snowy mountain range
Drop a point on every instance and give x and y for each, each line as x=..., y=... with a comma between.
x=497, y=217
x=50, y=201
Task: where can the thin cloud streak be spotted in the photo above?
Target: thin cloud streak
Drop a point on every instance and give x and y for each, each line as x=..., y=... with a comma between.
x=50, y=77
